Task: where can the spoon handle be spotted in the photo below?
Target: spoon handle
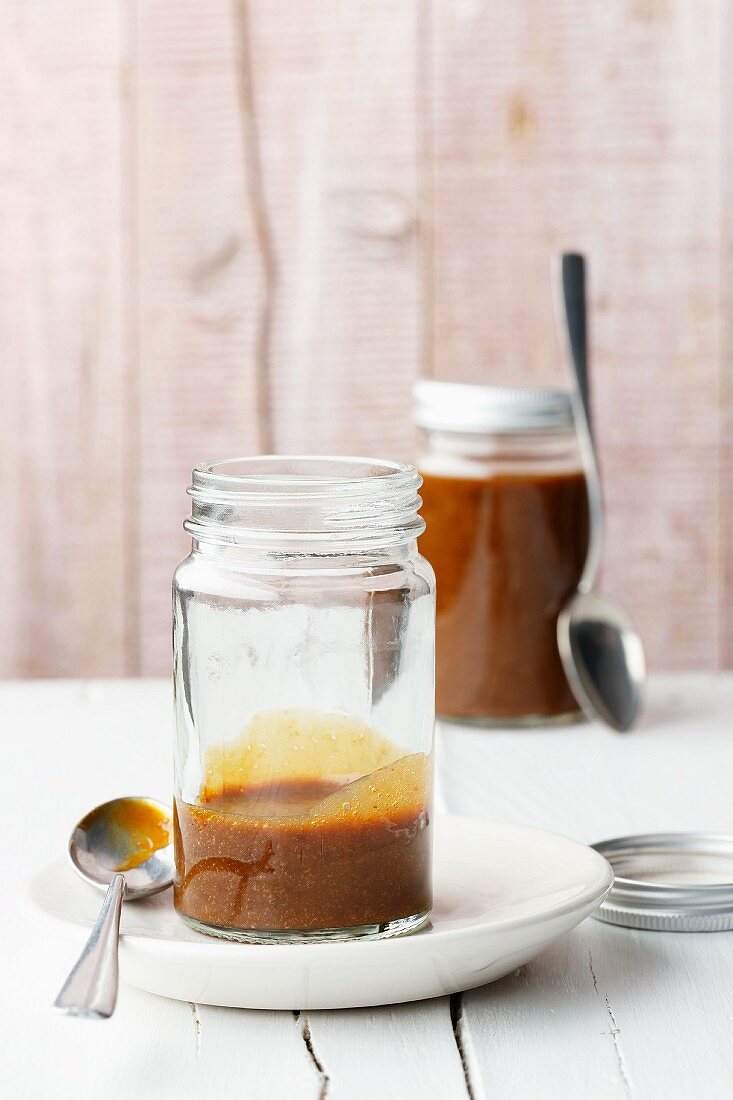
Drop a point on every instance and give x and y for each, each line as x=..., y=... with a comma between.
x=573, y=289
x=571, y=319
x=91, y=988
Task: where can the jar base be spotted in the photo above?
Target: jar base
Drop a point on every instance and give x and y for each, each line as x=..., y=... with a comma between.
x=524, y=721
x=403, y=926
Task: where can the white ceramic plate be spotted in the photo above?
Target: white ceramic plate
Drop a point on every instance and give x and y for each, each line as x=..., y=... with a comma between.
x=502, y=894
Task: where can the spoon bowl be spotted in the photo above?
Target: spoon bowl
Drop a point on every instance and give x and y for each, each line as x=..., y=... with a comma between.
x=130, y=836
x=603, y=658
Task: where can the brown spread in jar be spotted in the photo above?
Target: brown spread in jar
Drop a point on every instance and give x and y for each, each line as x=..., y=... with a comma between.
x=280, y=838
x=507, y=550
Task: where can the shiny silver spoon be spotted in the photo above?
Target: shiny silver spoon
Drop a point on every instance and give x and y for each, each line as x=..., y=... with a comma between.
x=601, y=651
x=126, y=848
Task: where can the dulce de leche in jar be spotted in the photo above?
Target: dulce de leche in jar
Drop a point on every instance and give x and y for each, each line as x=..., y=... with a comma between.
x=506, y=511
x=303, y=642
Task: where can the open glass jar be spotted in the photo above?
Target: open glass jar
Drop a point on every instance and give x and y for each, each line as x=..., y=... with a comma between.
x=506, y=508
x=303, y=667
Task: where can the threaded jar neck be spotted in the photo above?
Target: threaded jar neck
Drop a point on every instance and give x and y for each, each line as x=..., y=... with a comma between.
x=305, y=504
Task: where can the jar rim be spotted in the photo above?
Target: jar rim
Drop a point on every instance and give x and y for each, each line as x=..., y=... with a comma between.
x=298, y=475
x=305, y=499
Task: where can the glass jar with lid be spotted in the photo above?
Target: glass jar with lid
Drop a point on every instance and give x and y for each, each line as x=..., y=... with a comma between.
x=506, y=508
x=303, y=667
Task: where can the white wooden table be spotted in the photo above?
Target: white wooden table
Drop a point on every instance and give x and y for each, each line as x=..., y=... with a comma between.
x=606, y=1012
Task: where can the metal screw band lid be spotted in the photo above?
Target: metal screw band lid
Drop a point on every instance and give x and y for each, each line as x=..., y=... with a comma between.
x=675, y=882
x=458, y=406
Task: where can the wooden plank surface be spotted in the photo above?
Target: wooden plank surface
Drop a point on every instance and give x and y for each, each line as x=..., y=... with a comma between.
x=606, y=1011
x=591, y=783
x=251, y=231
x=335, y=95
x=76, y=730
x=400, y=1052
x=277, y=249
x=546, y=1027
x=200, y=296
x=597, y=127
x=64, y=214
x=726, y=374
x=612, y=1013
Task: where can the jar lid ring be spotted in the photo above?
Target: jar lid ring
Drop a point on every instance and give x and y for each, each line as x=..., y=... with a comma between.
x=465, y=407
x=679, y=882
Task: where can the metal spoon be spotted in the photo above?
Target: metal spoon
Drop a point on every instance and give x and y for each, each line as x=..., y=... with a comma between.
x=601, y=651
x=126, y=847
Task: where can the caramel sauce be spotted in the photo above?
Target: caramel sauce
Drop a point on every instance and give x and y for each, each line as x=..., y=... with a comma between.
x=136, y=824
x=304, y=853
x=507, y=550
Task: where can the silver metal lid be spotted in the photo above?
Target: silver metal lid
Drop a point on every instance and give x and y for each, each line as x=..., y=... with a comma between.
x=459, y=406
x=673, y=882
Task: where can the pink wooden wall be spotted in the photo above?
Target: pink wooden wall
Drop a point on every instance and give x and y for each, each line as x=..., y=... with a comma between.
x=250, y=224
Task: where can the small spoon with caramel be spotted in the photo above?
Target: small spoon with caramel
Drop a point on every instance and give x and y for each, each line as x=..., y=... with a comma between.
x=126, y=848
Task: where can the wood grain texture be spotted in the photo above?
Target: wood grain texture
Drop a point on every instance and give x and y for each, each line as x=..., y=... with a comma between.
x=200, y=284
x=610, y=1012
x=546, y=1029
x=591, y=784
x=65, y=366
x=253, y=231
x=417, y=1053
x=726, y=375
x=277, y=249
x=597, y=127
x=260, y=1055
x=605, y=1012
x=335, y=95
x=210, y=1051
